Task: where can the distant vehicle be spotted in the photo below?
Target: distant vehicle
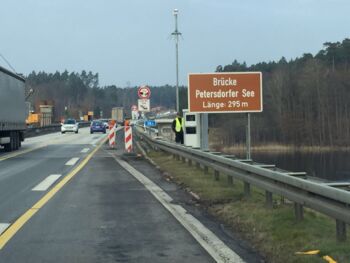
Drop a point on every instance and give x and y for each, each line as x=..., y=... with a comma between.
x=105, y=123
x=118, y=114
x=70, y=125
x=12, y=110
x=97, y=126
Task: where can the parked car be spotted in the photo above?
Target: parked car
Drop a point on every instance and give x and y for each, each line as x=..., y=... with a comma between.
x=70, y=125
x=97, y=126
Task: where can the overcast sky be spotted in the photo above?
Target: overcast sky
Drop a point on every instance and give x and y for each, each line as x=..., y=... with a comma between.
x=128, y=41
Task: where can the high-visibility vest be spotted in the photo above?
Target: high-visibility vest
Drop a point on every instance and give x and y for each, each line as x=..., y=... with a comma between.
x=178, y=125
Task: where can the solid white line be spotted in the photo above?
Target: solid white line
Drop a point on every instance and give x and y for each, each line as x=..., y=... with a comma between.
x=207, y=239
x=47, y=182
x=72, y=161
x=3, y=227
x=85, y=150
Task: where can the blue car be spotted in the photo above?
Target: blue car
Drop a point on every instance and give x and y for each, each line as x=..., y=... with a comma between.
x=97, y=126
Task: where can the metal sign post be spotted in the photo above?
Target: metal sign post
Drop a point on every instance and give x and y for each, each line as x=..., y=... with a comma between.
x=248, y=138
x=176, y=34
x=204, y=131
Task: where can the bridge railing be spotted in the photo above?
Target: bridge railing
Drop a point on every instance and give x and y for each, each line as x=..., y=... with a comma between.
x=36, y=131
x=331, y=199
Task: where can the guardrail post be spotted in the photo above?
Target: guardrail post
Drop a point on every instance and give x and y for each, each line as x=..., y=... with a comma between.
x=298, y=211
x=341, y=231
x=269, y=200
x=310, y=194
x=183, y=159
x=229, y=179
x=198, y=165
x=189, y=162
x=246, y=189
x=216, y=175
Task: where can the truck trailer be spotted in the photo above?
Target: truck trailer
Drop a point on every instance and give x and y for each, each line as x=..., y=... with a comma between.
x=118, y=114
x=12, y=110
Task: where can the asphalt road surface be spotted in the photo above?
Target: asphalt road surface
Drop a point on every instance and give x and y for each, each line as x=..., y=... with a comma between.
x=69, y=198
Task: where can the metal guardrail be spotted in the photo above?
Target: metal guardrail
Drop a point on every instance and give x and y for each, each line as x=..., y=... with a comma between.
x=322, y=197
x=36, y=131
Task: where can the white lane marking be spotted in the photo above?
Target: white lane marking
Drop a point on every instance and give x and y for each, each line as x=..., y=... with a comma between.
x=3, y=227
x=85, y=150
x=72, y=161
x=207, y=239
x=47, y=182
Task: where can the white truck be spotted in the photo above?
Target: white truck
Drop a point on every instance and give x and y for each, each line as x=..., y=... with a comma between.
x=12, y=110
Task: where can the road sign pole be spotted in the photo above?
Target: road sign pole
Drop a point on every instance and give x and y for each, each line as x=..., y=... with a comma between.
x=204, y=131
x=248, y=137
x=177, y=78
x=176, y=34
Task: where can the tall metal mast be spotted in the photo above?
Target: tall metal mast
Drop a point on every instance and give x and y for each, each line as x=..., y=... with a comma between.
x=176, y=33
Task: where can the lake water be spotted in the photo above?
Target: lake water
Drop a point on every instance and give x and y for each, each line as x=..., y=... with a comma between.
x=332, y=166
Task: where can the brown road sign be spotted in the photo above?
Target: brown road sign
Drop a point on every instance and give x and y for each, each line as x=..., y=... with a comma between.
x=225, y=92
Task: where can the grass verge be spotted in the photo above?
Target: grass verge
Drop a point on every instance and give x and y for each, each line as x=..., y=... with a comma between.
x=274, y=232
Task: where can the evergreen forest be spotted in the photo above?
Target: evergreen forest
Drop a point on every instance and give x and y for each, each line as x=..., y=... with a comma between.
x=306, y=100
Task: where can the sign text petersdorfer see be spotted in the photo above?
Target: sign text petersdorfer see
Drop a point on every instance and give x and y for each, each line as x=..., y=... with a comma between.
x=225, y=92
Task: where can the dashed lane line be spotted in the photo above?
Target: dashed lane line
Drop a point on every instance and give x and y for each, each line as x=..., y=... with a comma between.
x=47, y=182
x=49, y=141
x=85, y=150
x=72, y=161
x=19, y=223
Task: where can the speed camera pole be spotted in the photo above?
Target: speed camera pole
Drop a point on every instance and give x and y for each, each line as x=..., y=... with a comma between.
x=176, y=33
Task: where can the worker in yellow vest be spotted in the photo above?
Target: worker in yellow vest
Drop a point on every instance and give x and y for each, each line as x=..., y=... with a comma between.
x=177, y=127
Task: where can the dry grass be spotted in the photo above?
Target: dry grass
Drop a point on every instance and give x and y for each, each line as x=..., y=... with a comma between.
x=274, y=232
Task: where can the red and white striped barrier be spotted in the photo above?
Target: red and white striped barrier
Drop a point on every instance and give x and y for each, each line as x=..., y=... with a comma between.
x=128, y=138
x=111, y=136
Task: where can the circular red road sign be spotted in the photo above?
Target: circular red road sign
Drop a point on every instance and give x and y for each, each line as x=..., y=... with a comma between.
x=144, y=92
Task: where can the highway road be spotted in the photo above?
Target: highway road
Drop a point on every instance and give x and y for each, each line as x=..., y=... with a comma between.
x=69, y=198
